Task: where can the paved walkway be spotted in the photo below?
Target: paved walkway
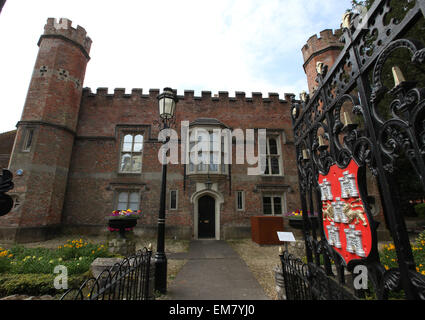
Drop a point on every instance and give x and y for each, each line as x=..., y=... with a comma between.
x=214, y=271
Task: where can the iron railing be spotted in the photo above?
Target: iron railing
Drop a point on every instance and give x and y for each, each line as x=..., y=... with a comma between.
x=295, y=278
x=304, y=281
x=128, y=280
x=386, y=134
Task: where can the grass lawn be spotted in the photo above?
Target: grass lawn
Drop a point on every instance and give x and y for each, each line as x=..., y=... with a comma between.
x=28, y=269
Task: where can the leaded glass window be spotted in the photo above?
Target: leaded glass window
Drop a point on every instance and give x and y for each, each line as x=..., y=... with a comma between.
x=131, y=153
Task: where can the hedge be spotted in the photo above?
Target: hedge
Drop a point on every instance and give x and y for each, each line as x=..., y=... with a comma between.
x=35, y=284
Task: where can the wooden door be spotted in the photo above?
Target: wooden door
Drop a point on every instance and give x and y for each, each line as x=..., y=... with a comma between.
x=206, y=217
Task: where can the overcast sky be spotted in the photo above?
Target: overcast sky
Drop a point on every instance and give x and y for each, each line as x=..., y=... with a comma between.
x=217, y=45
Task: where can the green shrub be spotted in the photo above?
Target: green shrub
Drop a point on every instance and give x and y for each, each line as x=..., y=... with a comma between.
x=420, y=210
x=35, y=284
x=4, y=265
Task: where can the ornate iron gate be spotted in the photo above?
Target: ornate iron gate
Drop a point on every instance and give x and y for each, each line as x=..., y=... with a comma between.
x=369, y=109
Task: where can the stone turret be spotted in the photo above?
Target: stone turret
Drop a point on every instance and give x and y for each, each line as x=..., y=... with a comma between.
x=45, y=134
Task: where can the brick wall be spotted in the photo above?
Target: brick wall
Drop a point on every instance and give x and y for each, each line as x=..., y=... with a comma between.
x=94, y=178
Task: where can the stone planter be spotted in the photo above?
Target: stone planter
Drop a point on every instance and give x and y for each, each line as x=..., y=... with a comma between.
x=121, y=242
x=121, y=224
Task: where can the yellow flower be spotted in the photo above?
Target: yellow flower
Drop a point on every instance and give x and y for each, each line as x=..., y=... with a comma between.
x=386, y=267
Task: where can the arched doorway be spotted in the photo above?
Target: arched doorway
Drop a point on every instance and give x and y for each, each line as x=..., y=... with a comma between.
x=206, y=217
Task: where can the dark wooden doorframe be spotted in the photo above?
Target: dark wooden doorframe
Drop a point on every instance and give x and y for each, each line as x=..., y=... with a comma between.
x=206, y=217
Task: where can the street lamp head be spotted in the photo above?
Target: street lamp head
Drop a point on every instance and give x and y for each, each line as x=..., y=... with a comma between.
x=167, y=104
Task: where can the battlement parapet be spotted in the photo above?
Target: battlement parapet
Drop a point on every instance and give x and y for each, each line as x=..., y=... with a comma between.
x=328, y=38
x=189, y=95
x=64, y=28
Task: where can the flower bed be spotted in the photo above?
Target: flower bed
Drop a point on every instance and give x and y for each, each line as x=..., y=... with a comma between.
x=76, y=255
x=20, y=265
x=389, y=256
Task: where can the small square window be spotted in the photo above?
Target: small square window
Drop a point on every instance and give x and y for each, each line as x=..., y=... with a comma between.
x=128, y=200
x=273, y=204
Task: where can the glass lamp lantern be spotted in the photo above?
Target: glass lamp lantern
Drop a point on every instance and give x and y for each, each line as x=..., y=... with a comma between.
x=167, y=104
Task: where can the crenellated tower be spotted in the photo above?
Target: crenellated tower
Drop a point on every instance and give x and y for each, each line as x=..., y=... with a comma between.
x=45, y=134
x=326, y=49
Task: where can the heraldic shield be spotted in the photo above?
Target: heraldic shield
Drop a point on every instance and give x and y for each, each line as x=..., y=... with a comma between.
x=345, y=222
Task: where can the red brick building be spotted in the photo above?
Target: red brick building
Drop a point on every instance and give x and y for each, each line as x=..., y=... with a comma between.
x=70, y=154
x=78, y=154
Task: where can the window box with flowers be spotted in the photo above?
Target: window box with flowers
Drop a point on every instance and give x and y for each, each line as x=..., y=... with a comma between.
x=123, y=220
x=295, y=219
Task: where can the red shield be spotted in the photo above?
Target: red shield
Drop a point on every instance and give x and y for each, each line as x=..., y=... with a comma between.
x=345, y=221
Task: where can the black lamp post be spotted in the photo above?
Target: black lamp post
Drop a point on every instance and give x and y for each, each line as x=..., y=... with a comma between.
x=167, y=107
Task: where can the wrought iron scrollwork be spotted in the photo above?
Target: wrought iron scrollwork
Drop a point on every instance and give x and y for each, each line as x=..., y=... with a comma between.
x=324, y=135
x=391, y=280
x=6, y=184
x=418, y=281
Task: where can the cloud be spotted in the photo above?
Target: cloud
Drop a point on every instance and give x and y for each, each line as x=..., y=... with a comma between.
x=237, y=45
